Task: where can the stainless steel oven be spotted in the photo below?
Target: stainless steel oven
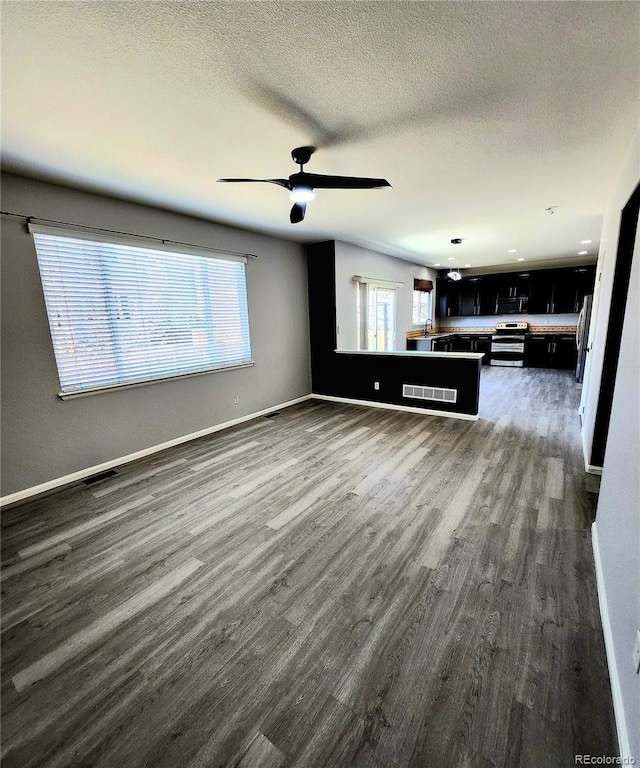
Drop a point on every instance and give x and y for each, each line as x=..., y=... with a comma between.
x=507, y=344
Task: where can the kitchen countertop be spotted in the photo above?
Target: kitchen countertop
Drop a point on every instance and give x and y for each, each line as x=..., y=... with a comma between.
x=402, y=353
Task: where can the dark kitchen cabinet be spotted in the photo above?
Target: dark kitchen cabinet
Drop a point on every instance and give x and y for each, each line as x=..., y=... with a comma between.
x=470, y=291
x=448, y=293
x=544, y=291
x=489, y=295
x=550, y=351
x=483, y=344
x=462, y=343
x=514, y=285
x=540, y=292
x=565, y=288
x=565, y=353
x=537, y=351
x=513, y=293
x=468, y=297
x=586, y=277
x=465, y=342
x=443, y=345
x=559, y=291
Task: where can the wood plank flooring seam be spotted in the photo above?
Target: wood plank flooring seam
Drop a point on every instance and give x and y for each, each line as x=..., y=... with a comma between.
x=86, y=637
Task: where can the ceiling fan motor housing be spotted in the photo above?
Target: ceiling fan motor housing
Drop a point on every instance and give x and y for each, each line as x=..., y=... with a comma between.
x=302, y=155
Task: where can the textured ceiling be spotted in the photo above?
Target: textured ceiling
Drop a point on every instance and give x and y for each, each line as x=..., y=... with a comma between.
x=480, y=114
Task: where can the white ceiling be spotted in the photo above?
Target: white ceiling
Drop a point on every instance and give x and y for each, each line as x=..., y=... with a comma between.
x=480, y=114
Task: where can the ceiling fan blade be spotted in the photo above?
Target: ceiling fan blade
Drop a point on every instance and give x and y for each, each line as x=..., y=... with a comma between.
x=280, y=182
x=282, y=106
x=320, y=181
x=297, y=212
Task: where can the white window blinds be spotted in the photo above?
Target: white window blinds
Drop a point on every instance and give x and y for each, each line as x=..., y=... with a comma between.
x=122, y=314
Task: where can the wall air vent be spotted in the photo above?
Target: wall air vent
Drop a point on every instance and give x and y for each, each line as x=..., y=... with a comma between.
x=440, y=394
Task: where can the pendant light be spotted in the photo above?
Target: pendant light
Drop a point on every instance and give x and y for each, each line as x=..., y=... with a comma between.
x=454, y=274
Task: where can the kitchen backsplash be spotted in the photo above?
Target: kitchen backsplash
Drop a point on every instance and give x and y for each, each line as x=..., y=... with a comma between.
x=537, y=324
x=538, y=321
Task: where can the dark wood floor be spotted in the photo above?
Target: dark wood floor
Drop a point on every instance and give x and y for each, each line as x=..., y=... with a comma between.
x=333, y=586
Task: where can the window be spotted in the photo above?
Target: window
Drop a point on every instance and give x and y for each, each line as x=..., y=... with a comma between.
x=377, y=317
x=123, y=313
x=421, y=307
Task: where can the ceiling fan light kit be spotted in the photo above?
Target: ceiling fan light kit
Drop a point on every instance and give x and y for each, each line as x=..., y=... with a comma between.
x=302, y=185
x=302, y=194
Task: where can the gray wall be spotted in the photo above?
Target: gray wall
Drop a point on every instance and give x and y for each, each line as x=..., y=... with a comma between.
x=353, y=260
x=43, y=437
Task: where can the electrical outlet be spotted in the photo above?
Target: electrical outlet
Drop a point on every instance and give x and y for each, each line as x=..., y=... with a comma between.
x=236, y=400
x=376, y=385
x=636, y=653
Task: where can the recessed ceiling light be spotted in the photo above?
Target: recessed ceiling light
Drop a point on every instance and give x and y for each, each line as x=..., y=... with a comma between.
x=520, y=259
x=436, y=265
x=582, y=253
x=585, y=242
x=513, y=250
x=467, y=265
x=452, y=258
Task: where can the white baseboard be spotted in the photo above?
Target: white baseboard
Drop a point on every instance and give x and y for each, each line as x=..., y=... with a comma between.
x=590, y=469
x=616, y=693
x=89, y=471
x=393, y=407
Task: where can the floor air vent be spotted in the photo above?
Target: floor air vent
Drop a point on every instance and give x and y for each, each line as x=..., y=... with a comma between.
x=101, y=476
x=440, y=394
x=272, y=415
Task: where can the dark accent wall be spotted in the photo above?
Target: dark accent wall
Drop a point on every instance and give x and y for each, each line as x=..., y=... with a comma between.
x=321, y=279
x=353, y=375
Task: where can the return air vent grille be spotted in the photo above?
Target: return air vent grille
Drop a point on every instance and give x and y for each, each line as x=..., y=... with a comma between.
x=440, y=394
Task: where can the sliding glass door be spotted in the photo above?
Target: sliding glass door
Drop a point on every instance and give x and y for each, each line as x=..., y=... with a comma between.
x=377, y=317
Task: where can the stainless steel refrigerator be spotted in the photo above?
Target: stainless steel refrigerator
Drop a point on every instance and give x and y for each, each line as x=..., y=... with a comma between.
x=582, y=336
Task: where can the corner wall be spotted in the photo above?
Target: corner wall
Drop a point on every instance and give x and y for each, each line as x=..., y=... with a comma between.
x=617, y=526
x=43, y=437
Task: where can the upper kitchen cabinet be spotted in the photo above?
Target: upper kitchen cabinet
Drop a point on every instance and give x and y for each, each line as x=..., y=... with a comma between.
x=470, y=292
x=541, y=292
x=586, y=278
x=513, y=285
x=556, y=291
x=513, y=293
x=478, y=295
x=565, y=288
x=489, y=295
x=448, y=294
x=475, y=295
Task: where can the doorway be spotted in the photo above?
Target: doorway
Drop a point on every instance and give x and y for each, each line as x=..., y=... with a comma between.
x=619, y=292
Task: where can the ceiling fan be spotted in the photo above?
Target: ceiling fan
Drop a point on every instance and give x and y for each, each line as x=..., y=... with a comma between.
x=302, y=184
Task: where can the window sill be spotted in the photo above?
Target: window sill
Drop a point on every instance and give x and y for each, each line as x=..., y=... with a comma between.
x=130, y=385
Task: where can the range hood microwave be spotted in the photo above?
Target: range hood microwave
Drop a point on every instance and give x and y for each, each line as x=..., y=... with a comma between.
x=512, y=306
